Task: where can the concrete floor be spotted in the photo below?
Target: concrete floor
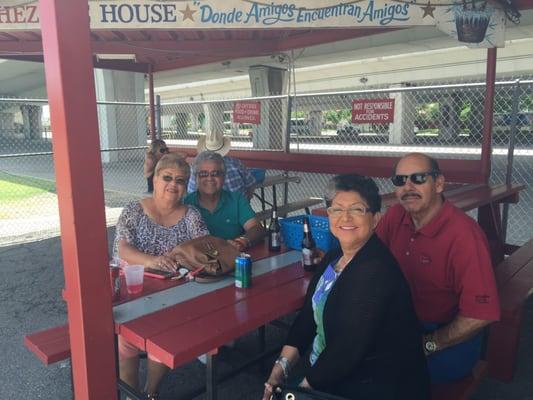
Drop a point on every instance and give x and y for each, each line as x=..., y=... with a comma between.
x=31, y=279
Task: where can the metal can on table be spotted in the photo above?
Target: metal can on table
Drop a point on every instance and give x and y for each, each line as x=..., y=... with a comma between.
x=114, y=274
x=243, y=271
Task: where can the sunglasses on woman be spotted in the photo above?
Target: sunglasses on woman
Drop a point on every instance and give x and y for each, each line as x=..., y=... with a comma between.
x=212, y=174
x=178, y=180
x=163, y=150
x=418, y=178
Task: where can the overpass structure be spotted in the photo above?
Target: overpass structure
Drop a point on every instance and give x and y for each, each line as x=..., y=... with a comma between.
x=385, y=59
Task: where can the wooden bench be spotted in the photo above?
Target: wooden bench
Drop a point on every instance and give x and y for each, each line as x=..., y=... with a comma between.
x=514, y=279
x=291, y=207
x=50, y=345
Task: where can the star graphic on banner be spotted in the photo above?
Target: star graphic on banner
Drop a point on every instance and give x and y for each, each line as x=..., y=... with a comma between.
x=428, y=10
x=188, y=13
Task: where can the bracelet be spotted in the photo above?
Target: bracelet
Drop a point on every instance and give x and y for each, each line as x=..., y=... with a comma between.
x=283, y=362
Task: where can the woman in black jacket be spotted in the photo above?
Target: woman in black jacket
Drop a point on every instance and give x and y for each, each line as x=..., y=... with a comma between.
x=358, y=320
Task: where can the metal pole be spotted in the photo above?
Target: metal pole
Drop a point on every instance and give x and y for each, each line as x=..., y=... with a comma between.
x=158, y=125
x=510, y=152
x=287, y=132
x=211, y=377
x=486, y=144
x=151, y=101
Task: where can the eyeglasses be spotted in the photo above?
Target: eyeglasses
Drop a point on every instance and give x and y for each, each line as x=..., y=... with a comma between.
x=212, y=174
x=164, y=150
x=418, y=178
x=178, y=180
x=357, y=211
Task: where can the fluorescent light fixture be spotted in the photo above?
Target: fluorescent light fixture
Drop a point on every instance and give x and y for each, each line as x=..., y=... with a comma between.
x=130, y=57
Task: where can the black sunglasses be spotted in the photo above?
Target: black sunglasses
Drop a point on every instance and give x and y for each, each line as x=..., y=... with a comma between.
x=178, y=180
x=163, y=150
x=418, y=178
x=212, y=174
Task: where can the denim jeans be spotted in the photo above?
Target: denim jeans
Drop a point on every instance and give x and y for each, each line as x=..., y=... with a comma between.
x=454, y=362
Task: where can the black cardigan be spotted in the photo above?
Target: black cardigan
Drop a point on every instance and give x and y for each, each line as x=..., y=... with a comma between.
x=371, y=329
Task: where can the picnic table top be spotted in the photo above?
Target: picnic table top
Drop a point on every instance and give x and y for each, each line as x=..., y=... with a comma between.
x=212, y=313
x=465, y=196
x=271, y=180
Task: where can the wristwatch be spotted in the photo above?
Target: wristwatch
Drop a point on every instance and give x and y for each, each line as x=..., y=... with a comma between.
x=430, y=346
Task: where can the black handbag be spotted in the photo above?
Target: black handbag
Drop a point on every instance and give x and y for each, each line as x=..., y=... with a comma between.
x=286, y=392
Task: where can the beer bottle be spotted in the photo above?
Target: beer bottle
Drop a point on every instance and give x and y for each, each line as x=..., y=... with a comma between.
x=274, y=232
x=308, y=247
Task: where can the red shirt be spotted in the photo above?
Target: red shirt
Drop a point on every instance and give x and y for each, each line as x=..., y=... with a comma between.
x=446, y=262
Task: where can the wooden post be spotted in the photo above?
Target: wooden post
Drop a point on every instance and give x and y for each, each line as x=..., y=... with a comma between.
x=72, y=99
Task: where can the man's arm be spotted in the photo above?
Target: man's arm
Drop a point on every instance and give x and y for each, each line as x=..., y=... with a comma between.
x=253, y=233
x=457, y=331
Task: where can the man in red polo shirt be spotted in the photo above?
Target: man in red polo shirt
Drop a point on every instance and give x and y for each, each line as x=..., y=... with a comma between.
x=444, y=255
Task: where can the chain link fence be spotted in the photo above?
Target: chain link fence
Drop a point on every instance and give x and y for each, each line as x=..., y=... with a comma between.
x=183, y=122
x=442, y=120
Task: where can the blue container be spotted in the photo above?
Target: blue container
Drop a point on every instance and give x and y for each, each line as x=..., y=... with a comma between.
x=243, y=271
x=259, y=174
x=292, y=232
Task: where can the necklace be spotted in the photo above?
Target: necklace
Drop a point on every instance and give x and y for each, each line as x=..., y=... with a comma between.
x=339, y=267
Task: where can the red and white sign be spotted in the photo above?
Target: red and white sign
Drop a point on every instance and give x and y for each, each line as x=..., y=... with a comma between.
x=247, y=112
x=373, y=111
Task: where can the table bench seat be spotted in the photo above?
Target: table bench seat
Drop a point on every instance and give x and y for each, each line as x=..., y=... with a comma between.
x=50, y=345
x=290, y=207
x=514, y=278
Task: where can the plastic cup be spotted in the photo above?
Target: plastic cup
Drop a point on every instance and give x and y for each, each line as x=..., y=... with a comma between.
x=134, y=278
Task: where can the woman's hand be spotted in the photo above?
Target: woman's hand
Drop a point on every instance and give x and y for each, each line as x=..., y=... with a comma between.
x=163, y=263
x=276, y=377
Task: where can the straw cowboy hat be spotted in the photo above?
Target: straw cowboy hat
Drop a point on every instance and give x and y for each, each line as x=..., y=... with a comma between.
x=214, y=142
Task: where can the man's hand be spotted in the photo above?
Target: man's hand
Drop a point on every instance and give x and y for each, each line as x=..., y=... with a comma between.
x=458, y=331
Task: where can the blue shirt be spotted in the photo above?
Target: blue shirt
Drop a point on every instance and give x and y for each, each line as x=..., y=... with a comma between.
x=323, y=287
x=238, y=177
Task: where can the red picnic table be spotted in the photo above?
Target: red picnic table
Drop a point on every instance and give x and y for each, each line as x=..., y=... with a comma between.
x=184, y=321
x=177, y=321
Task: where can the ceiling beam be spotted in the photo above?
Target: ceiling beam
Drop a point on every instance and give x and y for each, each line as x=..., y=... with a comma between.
x=316, y=37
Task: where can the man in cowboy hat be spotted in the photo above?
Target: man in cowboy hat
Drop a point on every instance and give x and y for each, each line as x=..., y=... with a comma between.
x=238, y=177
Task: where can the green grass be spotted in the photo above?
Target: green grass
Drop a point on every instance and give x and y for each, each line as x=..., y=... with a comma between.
x=15, y=188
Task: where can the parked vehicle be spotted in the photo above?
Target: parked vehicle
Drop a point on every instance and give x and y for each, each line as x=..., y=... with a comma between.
x=299, y=127
x=524, y=123
x=348, y=129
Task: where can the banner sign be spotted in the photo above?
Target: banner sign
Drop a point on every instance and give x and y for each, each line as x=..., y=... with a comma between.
x=249, y=14
x=373, y=111
x=247, y=112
